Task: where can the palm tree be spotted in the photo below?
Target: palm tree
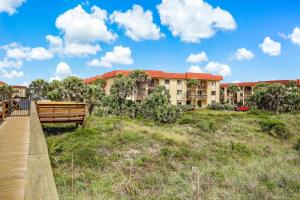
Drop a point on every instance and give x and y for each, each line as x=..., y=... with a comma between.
x=6, y=92
x=232, y=89
x=38, y=88
x=140, y=80
x=73, y=88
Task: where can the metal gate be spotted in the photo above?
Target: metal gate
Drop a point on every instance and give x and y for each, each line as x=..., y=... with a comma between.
x=19, y=107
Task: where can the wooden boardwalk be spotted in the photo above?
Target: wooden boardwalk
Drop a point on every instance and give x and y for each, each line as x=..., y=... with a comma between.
x=14, y=149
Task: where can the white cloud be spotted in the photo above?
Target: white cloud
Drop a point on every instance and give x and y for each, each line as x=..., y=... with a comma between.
x=18, y=52
x=6, y=63
x=119, y=56
x=62, y=70
x=55, y=42
x=270, y=47
x=80, y=26
x=295, y=36
x=194, y=20
x=57, y=45
x=197, y=58
x=218, y=68
x=12, y=74
x=137, y=23
x=236, y=81
x=195, y=69
x=81, y=32
x=243, y=54
x=10, y=6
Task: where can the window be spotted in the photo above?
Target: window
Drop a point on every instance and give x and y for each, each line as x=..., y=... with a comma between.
x=241, y=94
x=199, y=93
x=179, y=102
x=213, y=83
x=167, y=82
x=213, y=93
x=188, y=102
x=179, y=92
x=179, y=82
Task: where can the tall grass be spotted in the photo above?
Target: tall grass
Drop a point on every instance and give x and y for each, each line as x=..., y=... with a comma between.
x=120, y=158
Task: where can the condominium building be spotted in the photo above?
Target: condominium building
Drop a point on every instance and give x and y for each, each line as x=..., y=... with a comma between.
x=20, y=91
x=244, y=90
x=205, y=93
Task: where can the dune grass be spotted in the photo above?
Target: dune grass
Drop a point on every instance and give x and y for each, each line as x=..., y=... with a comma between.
x=121, y=158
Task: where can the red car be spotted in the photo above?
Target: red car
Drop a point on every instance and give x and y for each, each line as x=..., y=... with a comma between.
x=241, y=108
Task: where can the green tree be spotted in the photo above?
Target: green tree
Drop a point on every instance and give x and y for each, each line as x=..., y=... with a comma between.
x=140, y=80
x=55, y=91
x=232, y=89
x=6, y=92
x=38, y=89
x=157, y=106
x=73, y=89
x=100, y=82
x=269, y=97
x=120, y=91
x=193, y=83
x=93, y=96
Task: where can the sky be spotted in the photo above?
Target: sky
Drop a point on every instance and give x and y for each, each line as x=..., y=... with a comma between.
x=247, y=40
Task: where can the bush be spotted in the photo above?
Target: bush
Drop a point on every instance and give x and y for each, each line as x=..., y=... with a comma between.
x=163, y=114
x=186, y=108
x=207, y=126
x=216, y=106
x=228, y=107
x=275, y=128
x=297, y=146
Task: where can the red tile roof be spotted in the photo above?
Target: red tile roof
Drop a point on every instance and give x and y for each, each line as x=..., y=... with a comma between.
x=251, y=84
x=2, y=83
x=19, y=86
x=158, y=74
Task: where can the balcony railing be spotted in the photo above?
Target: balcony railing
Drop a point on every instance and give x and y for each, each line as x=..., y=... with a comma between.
x=196, y=96
x=203, y=87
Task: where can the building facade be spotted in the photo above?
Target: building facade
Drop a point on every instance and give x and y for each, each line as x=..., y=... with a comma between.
x=207, y=92
x=244, y=90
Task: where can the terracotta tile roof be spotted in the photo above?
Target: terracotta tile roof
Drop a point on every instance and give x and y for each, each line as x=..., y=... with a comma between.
x=251, y=84
x=158, y=74
x=19, y=86
x=2, y=83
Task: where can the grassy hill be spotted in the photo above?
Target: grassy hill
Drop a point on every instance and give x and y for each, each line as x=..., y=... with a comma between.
x=120, y=158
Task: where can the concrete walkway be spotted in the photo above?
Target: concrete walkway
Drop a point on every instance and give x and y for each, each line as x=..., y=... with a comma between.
x=14, y=147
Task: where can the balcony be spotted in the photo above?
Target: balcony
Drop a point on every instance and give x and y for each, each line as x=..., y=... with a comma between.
x=202, y=87
x=196, y=96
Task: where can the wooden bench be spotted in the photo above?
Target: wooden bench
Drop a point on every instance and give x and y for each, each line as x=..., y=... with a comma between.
x=61, y=112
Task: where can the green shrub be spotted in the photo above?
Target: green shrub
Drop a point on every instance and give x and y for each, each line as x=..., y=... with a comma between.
x=275, y=127
x=216, y=106
x=186, y=108
x=297, y=146
x=187, y=119
x=207, y=126
x=228, y=107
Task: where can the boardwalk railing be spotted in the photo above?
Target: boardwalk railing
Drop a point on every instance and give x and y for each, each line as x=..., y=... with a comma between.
x=64, y=112
x=40, y=182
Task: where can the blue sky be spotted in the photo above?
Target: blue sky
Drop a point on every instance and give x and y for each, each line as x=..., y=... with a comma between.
x=248, y=41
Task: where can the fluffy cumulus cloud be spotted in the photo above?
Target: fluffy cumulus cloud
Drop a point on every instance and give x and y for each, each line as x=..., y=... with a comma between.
x=6, y=63
x=195, y=69
x=295, y=36
x=138, y=24
x=243, y=54
x=218, y=68
x=10, y=6
x=62, y=70
x=197, y=58
x=81, y=31
x=194, y=20
x=11, y=74
x=19, y=52
x=270, y=47
x=119, y=56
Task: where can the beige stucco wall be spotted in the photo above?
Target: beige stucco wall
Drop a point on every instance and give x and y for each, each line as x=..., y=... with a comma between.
x=174, y=86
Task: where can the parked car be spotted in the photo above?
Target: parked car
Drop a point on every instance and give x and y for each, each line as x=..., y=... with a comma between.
x=241, y=108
